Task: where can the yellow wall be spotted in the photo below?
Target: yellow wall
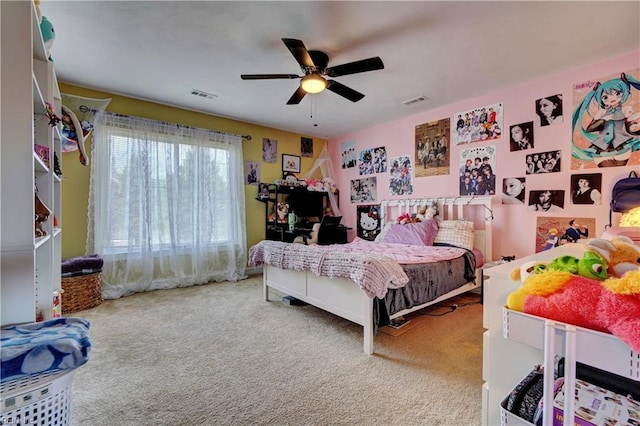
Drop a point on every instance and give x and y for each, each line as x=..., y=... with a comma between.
x=75, y=184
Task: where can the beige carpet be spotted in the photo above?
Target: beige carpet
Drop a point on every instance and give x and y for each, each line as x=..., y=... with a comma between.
x=219, y=355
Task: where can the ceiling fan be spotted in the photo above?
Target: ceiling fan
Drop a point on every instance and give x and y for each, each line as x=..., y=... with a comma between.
x=314, y=65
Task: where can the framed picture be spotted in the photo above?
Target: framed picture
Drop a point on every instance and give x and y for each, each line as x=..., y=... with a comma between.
x=290, y=163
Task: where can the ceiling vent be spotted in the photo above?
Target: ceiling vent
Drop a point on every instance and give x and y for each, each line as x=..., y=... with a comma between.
x=415, y=100
x=201, y=94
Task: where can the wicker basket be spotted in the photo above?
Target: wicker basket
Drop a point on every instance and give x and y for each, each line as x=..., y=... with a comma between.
x=81, y=292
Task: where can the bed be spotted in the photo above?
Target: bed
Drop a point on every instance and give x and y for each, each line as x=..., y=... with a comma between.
x=371, y=287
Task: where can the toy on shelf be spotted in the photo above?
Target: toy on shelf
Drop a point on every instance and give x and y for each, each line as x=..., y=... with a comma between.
x=51, y=115
x=600, y=291
x=48, y=35
x=42, y=213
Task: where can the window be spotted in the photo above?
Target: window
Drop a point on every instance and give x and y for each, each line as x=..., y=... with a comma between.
x=162, y=193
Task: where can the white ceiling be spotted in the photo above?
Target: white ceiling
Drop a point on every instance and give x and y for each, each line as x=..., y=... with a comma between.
x=448, y=51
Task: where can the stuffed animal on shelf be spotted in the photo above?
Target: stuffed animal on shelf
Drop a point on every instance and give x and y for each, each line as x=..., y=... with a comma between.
x=282, y=212
x=48, y=35
x=575, y=292
x=42, y=213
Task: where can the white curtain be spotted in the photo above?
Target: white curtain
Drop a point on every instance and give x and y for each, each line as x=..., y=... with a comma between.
x=166, y=205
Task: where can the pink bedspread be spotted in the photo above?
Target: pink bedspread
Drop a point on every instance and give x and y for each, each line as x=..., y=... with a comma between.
x=375, y=267
x=406, y=253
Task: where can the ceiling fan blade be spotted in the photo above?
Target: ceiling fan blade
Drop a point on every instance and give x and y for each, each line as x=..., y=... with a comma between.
x=299, y=51
x=296, y=97
x=344, y=91
x=268, y=76
x=363, y=65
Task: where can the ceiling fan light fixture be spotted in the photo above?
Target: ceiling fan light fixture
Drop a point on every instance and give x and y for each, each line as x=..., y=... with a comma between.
x=313, y=83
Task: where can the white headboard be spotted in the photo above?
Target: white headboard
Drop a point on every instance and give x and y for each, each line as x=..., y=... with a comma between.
x=449, y=209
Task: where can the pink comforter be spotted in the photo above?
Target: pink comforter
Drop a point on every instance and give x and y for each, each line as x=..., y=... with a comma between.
x=375, y=267
x=405, y=253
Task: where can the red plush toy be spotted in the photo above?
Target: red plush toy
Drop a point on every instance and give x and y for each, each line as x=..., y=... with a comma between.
x=609, y=302
x=404, y=218
x=611, y=306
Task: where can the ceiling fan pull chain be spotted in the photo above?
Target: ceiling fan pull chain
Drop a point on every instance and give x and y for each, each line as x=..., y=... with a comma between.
x=313, y=107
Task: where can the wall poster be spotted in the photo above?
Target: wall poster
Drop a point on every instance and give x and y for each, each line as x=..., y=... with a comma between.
x=556, y=231
x=368, y=221
x=364, y=190
x=479, y=124
x=432, y=148
x=373, y=160
x=478, y=171
x=348, y=154
x=606, y=121
x=400, y=176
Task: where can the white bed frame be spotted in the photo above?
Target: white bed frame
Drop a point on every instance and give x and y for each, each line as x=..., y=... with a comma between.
x=344, y=298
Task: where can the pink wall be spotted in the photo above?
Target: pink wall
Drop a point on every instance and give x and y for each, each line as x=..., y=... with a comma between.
x=513, y=226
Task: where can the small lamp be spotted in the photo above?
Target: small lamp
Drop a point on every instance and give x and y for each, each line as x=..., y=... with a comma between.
x=631, y=217
x=313, y=83
x=629, y=226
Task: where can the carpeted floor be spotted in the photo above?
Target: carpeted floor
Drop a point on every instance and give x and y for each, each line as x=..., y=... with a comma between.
x=219, y=355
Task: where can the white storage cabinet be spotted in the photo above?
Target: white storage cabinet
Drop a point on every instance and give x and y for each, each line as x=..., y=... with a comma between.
x=30, y=267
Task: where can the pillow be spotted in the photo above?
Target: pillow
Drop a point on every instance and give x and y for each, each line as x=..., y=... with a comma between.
x=459, y=233
x=419, y=234
x=383, y=232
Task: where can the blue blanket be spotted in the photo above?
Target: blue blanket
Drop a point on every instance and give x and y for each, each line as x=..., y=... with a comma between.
x=58, y=344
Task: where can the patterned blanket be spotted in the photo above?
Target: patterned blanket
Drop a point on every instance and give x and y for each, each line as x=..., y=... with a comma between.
x=374, y=267
x=58, y=344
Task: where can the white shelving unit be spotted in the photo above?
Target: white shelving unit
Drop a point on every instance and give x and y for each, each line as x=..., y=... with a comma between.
x=514, y=342
x=30, y=266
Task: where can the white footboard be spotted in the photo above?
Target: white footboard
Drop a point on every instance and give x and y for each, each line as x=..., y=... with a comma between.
x=339, y=296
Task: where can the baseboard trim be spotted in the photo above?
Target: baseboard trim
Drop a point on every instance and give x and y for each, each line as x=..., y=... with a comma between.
x=253, y=270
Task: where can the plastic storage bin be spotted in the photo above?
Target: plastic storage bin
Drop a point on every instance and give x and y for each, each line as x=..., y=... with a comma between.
x=41, y=399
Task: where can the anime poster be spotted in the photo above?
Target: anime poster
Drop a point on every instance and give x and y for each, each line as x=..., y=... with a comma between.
x=556, y=231
x=432, y=148
x=373, y=160
x=348, y=154
x=479, y=124
x=364, y=190
x=251, y=172
x=269, y=150
x=549, y=110
x=606, y=121
x=542, y=162
x=400, y=176
x=306, y=146
x=368, y=220
x=477, y=171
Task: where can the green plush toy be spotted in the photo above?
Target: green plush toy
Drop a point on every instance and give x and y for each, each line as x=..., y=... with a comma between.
x=591, y=265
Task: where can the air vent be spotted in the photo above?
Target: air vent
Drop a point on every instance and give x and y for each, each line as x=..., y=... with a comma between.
x=201, y=94
x=415, y=100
